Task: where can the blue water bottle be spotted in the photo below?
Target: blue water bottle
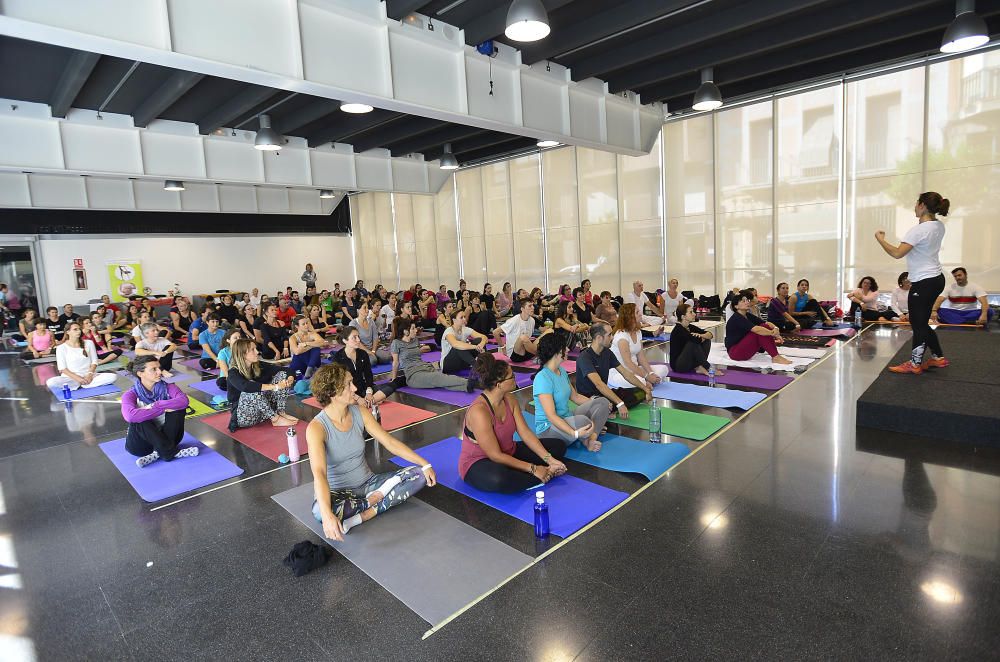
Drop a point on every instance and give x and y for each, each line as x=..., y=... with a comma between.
x=67, y=392
x=857, y=318
x=654, y=424
x=711, y=376
x=541, y=516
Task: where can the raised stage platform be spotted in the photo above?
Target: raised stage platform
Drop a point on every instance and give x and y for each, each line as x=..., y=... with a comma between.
x=959, y=403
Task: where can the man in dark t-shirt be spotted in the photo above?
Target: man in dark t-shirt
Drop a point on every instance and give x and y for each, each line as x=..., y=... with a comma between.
x=593, y=366
x=68, y=315
x=54, y=323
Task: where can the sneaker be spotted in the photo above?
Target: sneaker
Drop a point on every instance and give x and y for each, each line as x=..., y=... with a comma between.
x=936, y=362
x=907, y=367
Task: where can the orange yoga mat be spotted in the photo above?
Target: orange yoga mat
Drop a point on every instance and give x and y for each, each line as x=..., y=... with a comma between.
x=395, y=415
x=264, y=438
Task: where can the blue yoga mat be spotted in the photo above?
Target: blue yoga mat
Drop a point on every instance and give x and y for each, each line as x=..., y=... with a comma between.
x=573, y=503
x=630, y=455
x=161, y=480
x=706, y=395
x=84, y=393
x=208, y=386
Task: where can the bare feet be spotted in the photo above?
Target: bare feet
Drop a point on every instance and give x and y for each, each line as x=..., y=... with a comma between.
x=780, y=360
x=288, y=416
x=702, y=371
x=280, y=421
x=592, y=444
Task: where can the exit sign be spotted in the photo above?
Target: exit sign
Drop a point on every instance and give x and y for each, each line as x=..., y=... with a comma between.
x=78, y=263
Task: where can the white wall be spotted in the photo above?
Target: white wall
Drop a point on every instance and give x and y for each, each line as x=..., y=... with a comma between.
x=198, y=263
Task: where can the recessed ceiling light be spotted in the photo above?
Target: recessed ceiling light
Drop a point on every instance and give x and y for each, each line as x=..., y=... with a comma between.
x=356, y=108
x=173, y=185
x=548, y=143
x=326, y=194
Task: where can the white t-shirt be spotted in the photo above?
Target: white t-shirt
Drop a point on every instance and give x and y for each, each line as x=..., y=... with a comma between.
x=923, y=260
x=388, y=314
x=513, y=329
x=72, y=358
x=640, y=300
x=446, y=347
x=670, y=305
x=963, y=298
x=634, y=347
x=900, y=298
x=137, y=332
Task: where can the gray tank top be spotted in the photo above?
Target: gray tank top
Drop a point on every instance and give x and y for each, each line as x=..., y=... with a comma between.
x=346, y=467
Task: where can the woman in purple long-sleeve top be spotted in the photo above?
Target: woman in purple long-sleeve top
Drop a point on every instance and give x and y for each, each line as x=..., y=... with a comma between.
x=154, y=411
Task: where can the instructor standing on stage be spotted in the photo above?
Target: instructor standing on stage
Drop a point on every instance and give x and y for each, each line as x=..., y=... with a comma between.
x=921, y=246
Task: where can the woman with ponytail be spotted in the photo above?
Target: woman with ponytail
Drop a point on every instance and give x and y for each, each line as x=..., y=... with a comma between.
x=490, y=459
x=154, y=411
x=921, y=246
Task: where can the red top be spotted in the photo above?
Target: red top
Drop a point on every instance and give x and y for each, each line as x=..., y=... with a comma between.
x=286, y=315
x=504, y=430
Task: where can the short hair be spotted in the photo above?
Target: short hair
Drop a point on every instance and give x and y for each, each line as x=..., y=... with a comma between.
x=605, y=293
x=599, y=329
x=400, y=325
x=346, y=332
x=903, y=276
x=578, y=291
x=51, y=308
x=212, y=316
x=148, y=326
x=957, y=269
x=682, y=309
x=747, y=294
x=139, y=363
x=328, y=381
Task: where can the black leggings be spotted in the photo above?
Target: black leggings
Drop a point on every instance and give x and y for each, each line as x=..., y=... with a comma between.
x=786, y=327
x=146, y=437
x=208, y=364
x=872, y=315
x=166, y=361
x=923, y=294
x=490, y=476
x=812, y=306
x=458, y=359
x=694, y=354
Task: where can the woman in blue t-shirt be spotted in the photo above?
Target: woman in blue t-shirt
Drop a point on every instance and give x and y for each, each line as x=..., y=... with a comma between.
x=553, y=391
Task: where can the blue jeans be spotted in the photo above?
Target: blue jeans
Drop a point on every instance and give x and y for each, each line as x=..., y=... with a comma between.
x=305, y=360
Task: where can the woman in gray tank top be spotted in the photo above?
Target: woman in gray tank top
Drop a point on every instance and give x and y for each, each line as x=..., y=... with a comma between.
x=347, y=492
x=418, y=373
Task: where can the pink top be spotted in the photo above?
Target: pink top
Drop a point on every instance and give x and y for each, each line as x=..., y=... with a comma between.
x=870, y=299
x=41, y=343
x=133, y=412
x=504, y=430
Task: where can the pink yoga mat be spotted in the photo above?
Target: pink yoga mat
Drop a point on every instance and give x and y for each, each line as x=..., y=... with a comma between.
x=394, y=414
x=828, y=333
x=500, y=356
x=568, y=366
x=264, y=438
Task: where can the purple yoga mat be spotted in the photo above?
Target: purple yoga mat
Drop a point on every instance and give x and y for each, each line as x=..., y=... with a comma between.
x=828, y=333
x=84, y=393
x=522, y=379
x=161, y=480
x=194, y=365
x=431, y=357
x=208, y=386
x=739, y=378
x=457, y=398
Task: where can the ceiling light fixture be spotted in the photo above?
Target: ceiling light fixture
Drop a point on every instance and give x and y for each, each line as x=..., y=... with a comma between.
x=548, y=143
x=448, y=160
x=355, y=108
x=968, y=30
x=708, y=96
x=267, y=139
x=326, y=194
x=527, y=20
x=173, y=185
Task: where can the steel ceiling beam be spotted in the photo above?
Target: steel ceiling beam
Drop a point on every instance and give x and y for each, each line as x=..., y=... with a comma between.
x=81, y=64
x=799, y=28
x=687, y=35
x=488, y=139
x=239, y=105
x=433, y=139
x=179, y=83
x=306, y=115
x=492, y=23
x=397, y=130
x=343, y=128
x=498, y=150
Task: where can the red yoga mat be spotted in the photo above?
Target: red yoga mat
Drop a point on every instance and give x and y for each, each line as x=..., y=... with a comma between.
x=264, y=438
x=395, y=415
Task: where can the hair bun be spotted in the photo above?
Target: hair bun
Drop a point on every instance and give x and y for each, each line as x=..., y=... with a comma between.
x=944, y=207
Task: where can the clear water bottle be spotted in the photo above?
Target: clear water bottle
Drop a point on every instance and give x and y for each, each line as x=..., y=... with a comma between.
x=67, y=392
x=857, y=318
x=293, y=444
x=654, y=424
x=541, y=515
x=711, y=376
x=376, y=413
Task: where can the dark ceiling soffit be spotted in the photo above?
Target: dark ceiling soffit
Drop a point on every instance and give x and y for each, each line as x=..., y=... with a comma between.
x=400, y=9
x=306, y=114
x=179, y=83
x=800, y=28
x=398, y=130
x=505, y=150
x=433, y=139
x=344, y=128
x=73, y=77
x=239, y=105
x=686, y=35
x=488, y=139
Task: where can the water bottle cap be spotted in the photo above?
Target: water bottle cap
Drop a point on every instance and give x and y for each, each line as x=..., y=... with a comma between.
x=540, y=495
x=290, y=431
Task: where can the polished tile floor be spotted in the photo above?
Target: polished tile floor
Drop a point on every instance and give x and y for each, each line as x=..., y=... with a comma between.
x=790, y=536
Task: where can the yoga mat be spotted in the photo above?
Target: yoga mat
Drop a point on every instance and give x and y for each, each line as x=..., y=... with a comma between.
x=719, y=356
x=501, y=356
x=381, y=368
x=432, y=562
x=829, y=333
x=174, y=378
x=394, y=414
x=675, y=422
x=802, y=352
x=522, y=379
x=198, y=408
x=568, y=365
x=706, y=395
x=623, y=454
x=162, y=480
x=84, y=393
x=739, y=378
x=194, y=365
x=431, y=357
x=208, y=386
x=264, y=438
x=457, y=398
x=573, y=503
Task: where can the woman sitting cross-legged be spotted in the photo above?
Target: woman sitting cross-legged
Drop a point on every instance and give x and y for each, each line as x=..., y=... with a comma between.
x=689, y=345
x=777, y=311
x=490, y=459
x=865, y=299
x=41, y=341
x=355, y=359
x=257, y=392
x=418, y=373
x=747, y=334
x=76, y=360
x=626, y=345
x=347, y=492
x=225, y=357
x=553, y=391
x=153, y=344
x=569, y=327
x=368, y=332
x=804, y=307
x=460, y=345
x=305, y=345
x=154, y=411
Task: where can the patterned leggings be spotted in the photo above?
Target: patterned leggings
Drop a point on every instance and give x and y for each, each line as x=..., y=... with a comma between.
x=254, y=408
x=349, y=502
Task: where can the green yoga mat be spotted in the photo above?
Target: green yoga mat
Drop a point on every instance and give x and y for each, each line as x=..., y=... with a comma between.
x=676, y=422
